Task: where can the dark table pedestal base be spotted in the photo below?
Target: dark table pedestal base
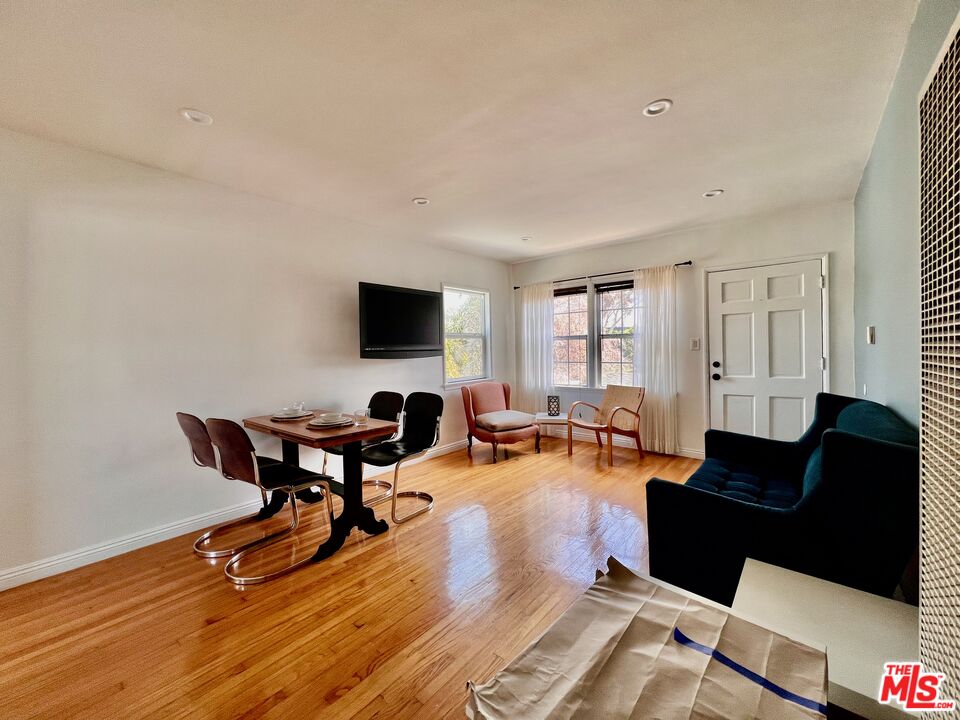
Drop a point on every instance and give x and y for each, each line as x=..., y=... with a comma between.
x=354, y=514
x=279, y=499
x=291, y=456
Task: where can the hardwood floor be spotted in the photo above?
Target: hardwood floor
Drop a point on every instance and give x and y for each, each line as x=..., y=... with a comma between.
x=391, y=627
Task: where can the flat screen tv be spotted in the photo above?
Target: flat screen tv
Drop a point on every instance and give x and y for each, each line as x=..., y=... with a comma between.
x=398, y=322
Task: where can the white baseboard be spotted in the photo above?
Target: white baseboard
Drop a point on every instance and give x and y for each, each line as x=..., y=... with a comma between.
x=587, y=436
x=57, y=564
x=93, y=553
x=618, y=440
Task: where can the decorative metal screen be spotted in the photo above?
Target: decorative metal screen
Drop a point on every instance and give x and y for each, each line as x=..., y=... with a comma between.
x=940, y=372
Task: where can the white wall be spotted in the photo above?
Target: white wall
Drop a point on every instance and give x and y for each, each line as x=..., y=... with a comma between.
x=801, y=231
x=888, y=227
x=128, y=293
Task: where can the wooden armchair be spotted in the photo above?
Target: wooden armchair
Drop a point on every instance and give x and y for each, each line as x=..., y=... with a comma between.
x=618, y=414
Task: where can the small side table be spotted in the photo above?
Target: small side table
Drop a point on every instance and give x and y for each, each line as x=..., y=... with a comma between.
x=543, y=419
x=548, y=422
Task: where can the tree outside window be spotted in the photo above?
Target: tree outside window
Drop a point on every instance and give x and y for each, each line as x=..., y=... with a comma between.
x=570, y=332
x=615, y=328
x=593, y=335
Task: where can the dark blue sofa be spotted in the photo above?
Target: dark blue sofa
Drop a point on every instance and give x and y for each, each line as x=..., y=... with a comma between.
x=840, y=503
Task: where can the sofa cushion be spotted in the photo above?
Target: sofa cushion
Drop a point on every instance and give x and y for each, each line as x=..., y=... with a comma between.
x=740, y=483
x=501, y=420
x=876, y=421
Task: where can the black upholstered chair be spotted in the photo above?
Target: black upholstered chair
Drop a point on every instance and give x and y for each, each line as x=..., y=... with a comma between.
x=384, y=405
x=204, y=455
x=238, y=461
x=421, y=431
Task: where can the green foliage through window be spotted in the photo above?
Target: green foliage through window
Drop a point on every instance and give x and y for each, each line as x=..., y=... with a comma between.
x=466, y=335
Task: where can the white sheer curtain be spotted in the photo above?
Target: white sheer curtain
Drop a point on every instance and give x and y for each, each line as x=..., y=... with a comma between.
x=536, y=354
x=654, y=355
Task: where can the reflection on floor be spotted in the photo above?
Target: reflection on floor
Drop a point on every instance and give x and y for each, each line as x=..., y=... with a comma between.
x=390, y=627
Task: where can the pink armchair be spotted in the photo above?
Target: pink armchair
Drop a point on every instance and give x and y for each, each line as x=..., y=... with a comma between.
x=490, y=419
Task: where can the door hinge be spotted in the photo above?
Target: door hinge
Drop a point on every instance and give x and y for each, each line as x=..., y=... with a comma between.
x=823, y=282
x=823, y=363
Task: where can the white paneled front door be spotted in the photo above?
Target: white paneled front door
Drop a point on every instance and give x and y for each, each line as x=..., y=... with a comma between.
x=766, y=348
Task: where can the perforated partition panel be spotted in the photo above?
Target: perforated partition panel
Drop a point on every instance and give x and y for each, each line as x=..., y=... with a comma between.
x=940, y=372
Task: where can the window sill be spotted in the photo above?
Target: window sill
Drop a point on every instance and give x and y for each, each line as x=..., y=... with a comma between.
x=454, y=384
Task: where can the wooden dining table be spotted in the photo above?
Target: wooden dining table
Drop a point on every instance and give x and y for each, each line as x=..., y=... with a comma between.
x=293, y=434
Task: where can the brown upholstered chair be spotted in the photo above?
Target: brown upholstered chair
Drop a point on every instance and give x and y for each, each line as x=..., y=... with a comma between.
x=238, y=461
x=618, y=414
x=490, y=419
x=204, y=455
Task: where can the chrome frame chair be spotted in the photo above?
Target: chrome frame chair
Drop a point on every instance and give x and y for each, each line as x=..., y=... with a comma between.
x=384, y=405
x=422, y=413
x=237, y=461
x=204, y=454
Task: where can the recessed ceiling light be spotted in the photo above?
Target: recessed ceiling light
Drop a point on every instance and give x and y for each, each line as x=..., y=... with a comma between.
x=658, y=107
x=421, y=201
x=196, y=116
x=713, y=193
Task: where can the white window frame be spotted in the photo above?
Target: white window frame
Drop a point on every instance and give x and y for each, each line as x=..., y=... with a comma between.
x=485, y=337
x=589, y=336
x=597, y=377
x=594, y=331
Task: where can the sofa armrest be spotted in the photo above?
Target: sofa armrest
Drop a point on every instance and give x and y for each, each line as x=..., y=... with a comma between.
x=752, y=450
x=699, y=540
x=868, y=503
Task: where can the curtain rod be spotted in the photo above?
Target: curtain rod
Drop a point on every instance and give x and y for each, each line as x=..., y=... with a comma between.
x=618, y=272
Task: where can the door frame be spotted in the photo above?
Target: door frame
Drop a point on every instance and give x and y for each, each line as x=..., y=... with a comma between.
x=824, y=259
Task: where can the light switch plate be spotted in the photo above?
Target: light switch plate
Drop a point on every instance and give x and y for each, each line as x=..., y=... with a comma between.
x=871, y=334
x=694, y=344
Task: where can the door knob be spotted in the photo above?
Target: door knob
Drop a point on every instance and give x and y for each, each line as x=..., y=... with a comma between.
x=716, y=363
x=715, y=376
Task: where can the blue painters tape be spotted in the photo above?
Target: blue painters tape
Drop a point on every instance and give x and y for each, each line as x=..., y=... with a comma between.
x=749, y=674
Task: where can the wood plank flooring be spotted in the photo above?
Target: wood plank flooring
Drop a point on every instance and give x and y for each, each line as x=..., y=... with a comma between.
x=391, y=627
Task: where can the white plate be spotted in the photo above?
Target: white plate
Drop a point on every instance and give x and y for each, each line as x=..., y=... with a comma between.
x=332, y=421
x=279, y=417
x=326, y=425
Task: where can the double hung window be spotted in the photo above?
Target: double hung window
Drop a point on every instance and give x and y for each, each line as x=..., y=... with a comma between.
x=466, y=334
x=593, y=335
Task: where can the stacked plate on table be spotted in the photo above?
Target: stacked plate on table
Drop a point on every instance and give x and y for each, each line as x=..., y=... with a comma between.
x=291, y=413
x=331, y=420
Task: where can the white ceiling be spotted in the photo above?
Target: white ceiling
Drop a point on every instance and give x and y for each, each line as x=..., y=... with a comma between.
x=515, y=118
